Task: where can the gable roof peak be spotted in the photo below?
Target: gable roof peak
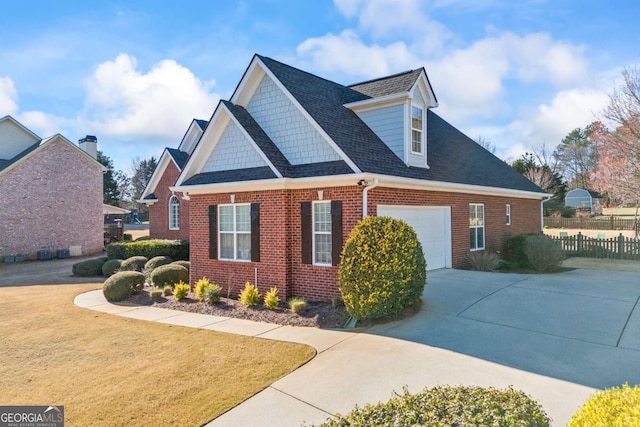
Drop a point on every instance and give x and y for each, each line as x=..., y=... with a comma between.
x=391, y=76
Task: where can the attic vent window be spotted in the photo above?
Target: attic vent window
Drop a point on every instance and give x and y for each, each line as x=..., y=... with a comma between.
x=416, y=129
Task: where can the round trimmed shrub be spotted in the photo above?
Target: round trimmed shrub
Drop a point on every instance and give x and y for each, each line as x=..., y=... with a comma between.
x=169, y=274
x=122, y=284
x=134, y=263
x=449, y=406
x=616, y=406
x=111, y=267
x=88, y=268
x=185, y=264
x=543, y=253
x=383, y=270
x=157, y=261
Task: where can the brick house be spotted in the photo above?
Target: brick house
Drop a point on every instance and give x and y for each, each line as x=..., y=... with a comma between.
x=50, y=193
x=168, y=210
x=292, y=162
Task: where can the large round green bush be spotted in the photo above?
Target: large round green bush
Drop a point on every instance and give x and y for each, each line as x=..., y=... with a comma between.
x=157, y=261
x=617, y=406
x=383, y=269
x=449, y=406
x=111, y=267
x=169, y=274
x=543, y=253
x=134, y=263
x=122, y=284
x=88, y=268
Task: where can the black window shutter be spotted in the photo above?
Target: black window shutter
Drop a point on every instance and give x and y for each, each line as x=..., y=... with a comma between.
x=213, y=232
x=336, y=231
x=306, y=237
x=255, y=232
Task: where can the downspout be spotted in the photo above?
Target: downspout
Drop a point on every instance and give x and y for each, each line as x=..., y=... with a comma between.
x=542, y=212
x=365, y=198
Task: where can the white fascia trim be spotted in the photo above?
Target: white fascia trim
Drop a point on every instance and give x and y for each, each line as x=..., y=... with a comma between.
x=306, y=115
x=372, y=103
x=157, y=174
x=253, y=143
x=147, y=202
x=195, y=155
x=352, y=180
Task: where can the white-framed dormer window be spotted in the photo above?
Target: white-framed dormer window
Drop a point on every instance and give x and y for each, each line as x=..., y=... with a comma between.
x=476, y=226
x=322, y=233
x=417, y=130
x=234, y=232
x=174, y=213
x=508, y=214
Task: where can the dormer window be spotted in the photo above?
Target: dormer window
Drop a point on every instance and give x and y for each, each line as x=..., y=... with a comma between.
x=417, y=129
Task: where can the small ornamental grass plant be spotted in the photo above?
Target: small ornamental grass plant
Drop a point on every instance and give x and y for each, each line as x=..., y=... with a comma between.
x=250, y=295
x=616, y=406
x=543, y=253
x=483, y=260
x=449, y=406
x=181, y=290
x=167, y=290
x=202, y=286
x=155, y=293
x=212, y=295
x=271, y=299
x=297, y=305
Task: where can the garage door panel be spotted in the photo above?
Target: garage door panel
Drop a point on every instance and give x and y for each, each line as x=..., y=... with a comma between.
x=433, y=228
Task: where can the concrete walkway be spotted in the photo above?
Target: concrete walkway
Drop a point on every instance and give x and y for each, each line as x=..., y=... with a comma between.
x=557, y=337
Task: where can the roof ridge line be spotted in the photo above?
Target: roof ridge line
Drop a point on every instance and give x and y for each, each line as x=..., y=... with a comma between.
x=402, y=73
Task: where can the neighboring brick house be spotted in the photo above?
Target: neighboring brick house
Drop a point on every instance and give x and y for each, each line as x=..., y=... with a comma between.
x=50, y=193
x=168, y=210
x=288, y=166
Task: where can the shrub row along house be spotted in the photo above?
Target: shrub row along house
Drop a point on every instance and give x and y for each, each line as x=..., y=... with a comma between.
x=50, y=193
x=288, y=166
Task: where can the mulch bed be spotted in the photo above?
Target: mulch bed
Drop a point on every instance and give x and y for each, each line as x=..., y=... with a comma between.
x=317, y=314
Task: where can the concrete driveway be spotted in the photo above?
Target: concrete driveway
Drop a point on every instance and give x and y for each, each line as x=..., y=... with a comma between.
x=557, y=337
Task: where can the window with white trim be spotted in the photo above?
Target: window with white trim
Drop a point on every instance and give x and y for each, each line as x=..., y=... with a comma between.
x=234, y=231
x=174, y=213
x=508, y=214
x=417, y=129
x=476, y=226
x=322, y=233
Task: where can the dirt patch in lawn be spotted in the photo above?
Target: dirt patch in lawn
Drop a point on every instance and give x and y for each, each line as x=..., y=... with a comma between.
x=317, y=314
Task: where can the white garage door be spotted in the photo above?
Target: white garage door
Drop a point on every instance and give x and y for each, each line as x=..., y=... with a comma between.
x=433, y=227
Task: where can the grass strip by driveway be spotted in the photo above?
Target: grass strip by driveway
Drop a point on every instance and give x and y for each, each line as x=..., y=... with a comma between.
x=112, y=371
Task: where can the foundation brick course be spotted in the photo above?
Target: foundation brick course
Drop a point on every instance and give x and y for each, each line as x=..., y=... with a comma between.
x=53, y=196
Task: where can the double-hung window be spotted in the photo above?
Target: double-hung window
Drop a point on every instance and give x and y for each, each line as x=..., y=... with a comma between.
x=508, y=214
x=417, y=129
x=476, y=226
x=235, y=232
x=174, y=213
x=322, y=233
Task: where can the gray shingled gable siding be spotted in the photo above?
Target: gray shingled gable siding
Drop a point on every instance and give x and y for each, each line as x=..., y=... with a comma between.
x=233, y=151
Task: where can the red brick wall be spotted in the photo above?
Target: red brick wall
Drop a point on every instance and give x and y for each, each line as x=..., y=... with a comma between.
x=159, y=211
x=280, y=247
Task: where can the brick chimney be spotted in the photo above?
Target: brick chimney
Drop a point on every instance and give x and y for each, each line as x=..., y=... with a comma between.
x=90, y=145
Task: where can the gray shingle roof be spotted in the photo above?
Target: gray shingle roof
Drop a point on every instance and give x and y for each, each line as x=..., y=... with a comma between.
x=202, y=123
x=180, y=157
x=397, y=83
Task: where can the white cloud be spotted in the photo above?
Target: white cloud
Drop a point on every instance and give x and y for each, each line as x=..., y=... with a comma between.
x=347, y=54
x=44, y=124
x=8, y=97
x=123, y=100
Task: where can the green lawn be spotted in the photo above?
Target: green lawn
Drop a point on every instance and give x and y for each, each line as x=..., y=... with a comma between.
x=112, y=371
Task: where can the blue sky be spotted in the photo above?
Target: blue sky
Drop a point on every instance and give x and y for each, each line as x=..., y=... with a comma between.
x=517, y=73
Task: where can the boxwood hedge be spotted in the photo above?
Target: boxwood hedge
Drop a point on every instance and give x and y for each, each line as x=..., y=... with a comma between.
x=449, y=406
x=176, y=249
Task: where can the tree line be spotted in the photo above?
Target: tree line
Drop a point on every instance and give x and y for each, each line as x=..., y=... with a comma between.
x=124, y=190
x=604, y=156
